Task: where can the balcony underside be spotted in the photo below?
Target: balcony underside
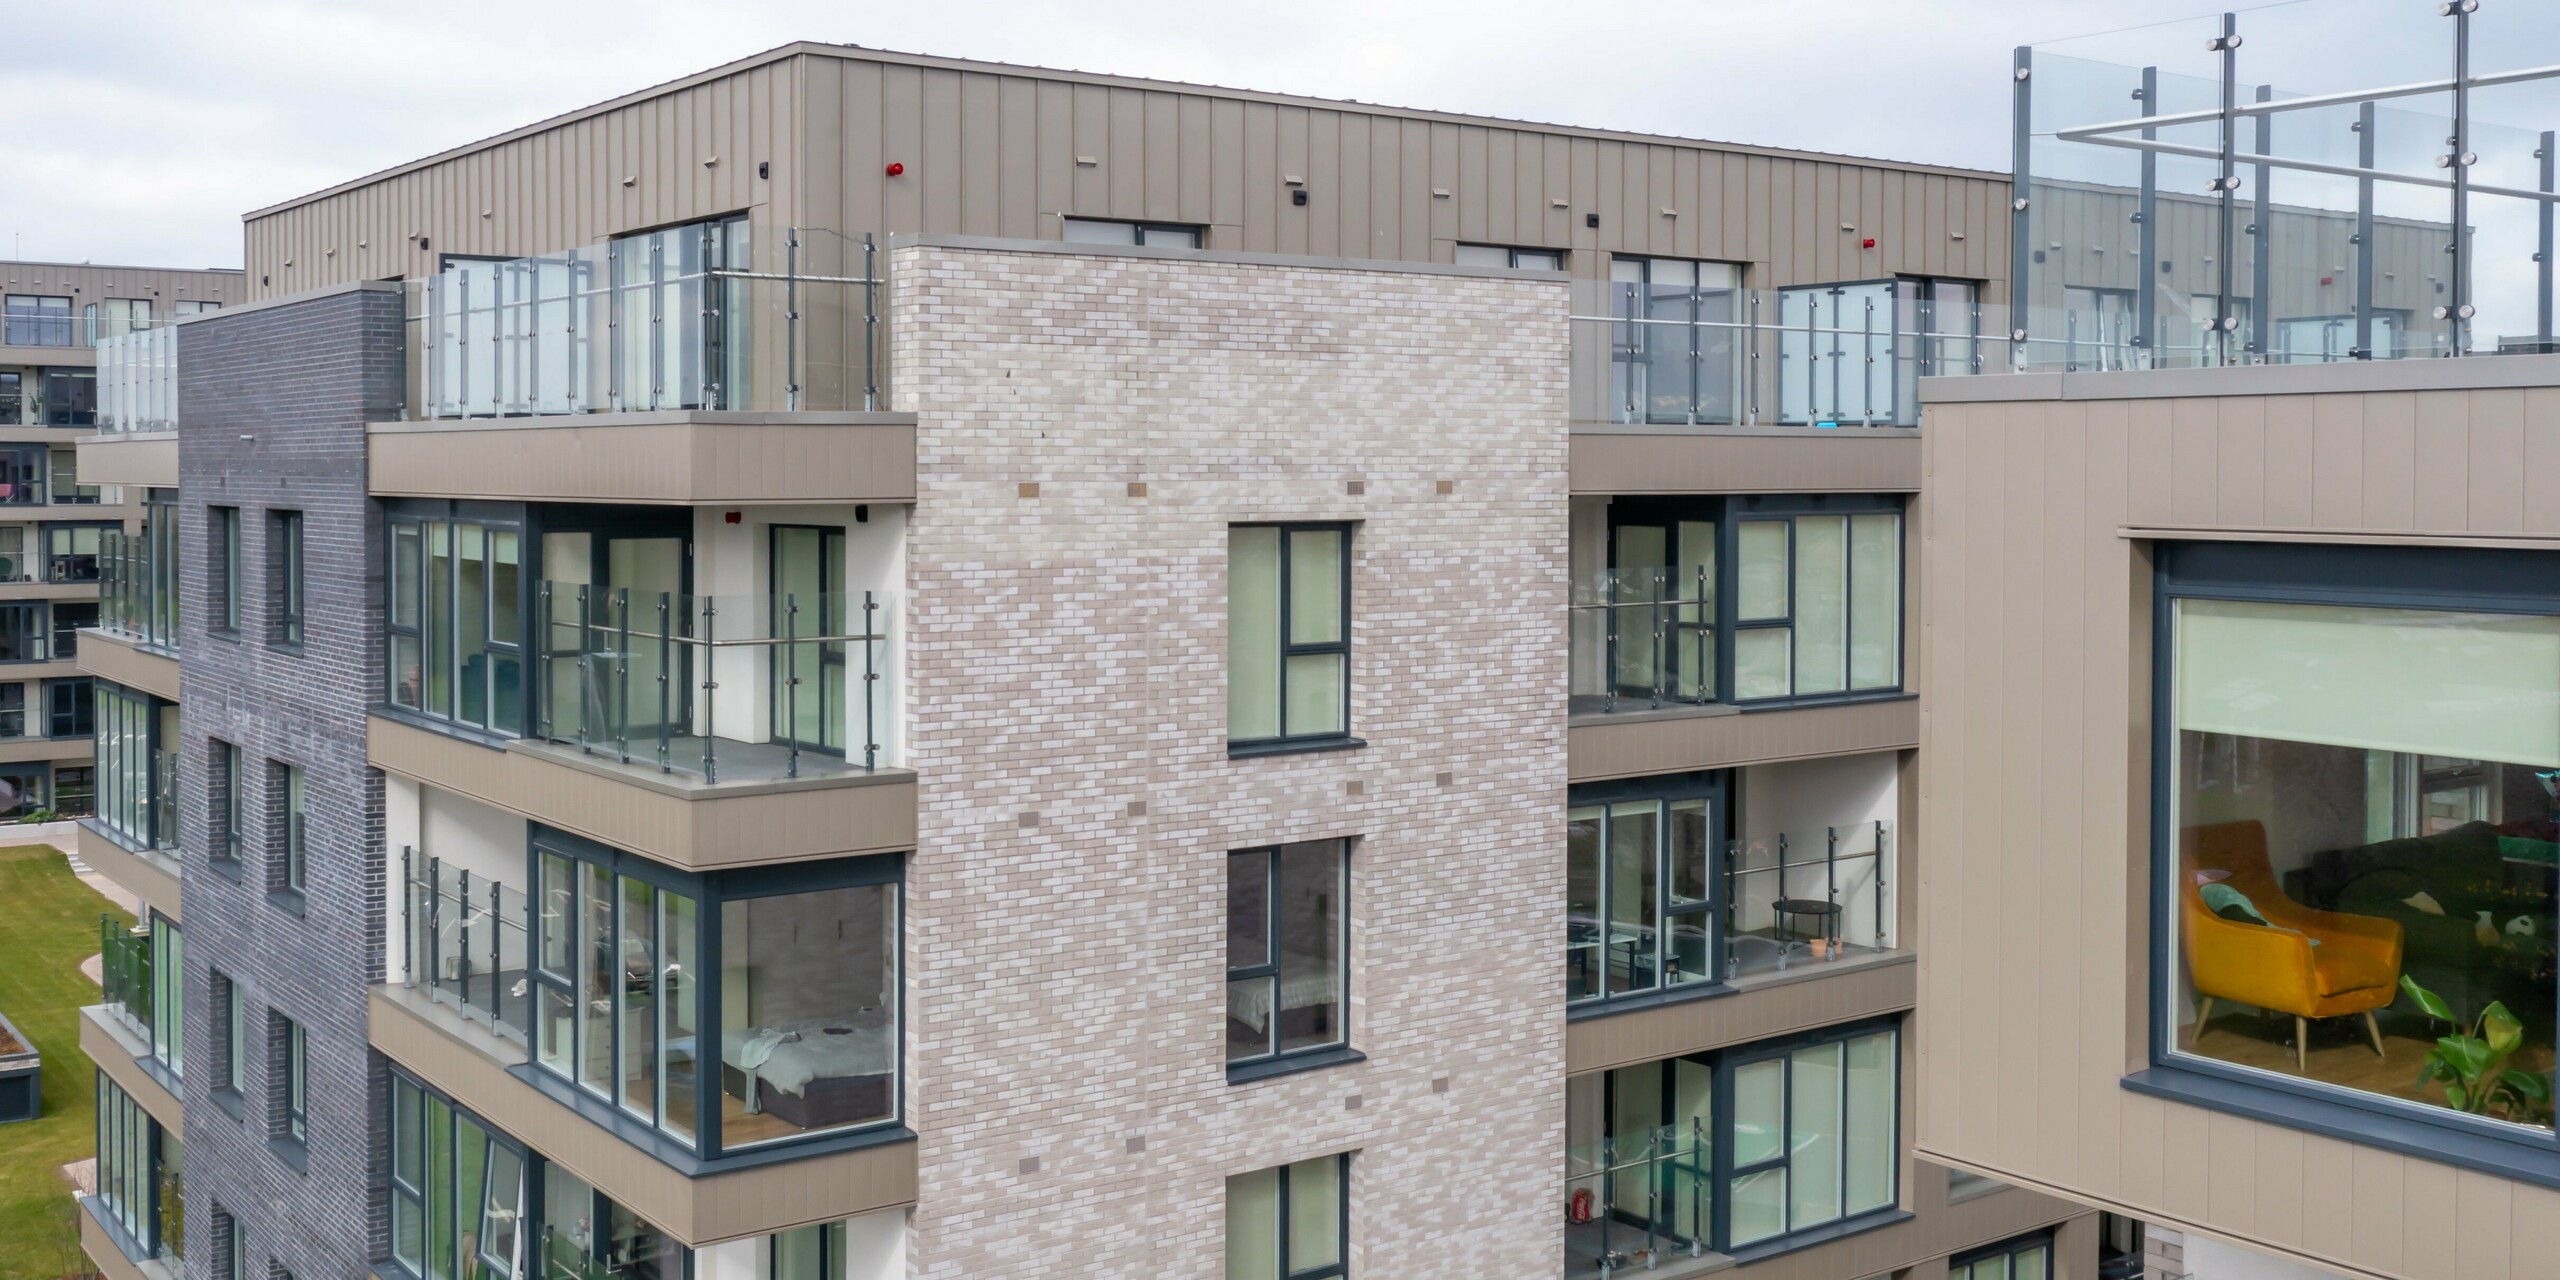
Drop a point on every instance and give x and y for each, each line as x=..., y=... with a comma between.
x=120, y=1053
x=145, y=458
x=678, y=457
x=110, y=656
x=1668, y=460
x=151, y=876
x=1634, y=744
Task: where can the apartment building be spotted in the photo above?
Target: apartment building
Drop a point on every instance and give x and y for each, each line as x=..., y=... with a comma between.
x=2236, y=762
x=1090, y=631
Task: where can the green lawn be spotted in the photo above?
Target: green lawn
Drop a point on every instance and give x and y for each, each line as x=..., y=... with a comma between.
x=48, y=925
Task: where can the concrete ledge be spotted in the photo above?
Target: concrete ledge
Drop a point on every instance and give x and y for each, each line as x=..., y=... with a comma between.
x=1812, y=994
x=698, y=828
x=146, y=874
x=48, y=591
x=146, y=458
x=470, y=1064
x=1636, y=744
x=1636, y=460
x=99, y=1241
x=22, y=750
x=119, y=1053
x=1303, y=262
x=2342, y=377
x=677, y=458
x=121, y=659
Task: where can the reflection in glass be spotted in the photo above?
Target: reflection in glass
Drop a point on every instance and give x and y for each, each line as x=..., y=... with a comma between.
x=808, y=990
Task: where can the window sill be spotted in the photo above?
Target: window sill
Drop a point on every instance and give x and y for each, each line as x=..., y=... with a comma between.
x=230, y=1103
x=1292, y=1064
x=1812, y=1236
x=292, y=1154
x=2532, y=1158
x=1292, y=747
x=287, y=900
x=227, y=868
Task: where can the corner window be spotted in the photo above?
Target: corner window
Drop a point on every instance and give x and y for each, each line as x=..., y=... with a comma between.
x=1288, y=954
x=458, y=1192
x=1733, y=1149
x=284, y=575
x=1154, y=235
x=138, y=765
x=796, y=970
x=455, y=621
x=139, y=1185
x=1288, y=633
x=2026, y=1258
x=1509, y=259
x=1290, y=1223
x=224, y=564
x=2359, y=757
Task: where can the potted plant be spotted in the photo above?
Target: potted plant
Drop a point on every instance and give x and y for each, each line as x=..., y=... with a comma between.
x=2472, y=1066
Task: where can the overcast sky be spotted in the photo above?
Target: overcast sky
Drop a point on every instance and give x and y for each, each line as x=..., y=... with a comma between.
x=138, y=131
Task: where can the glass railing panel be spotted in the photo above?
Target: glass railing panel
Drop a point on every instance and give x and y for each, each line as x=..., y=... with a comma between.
x=137, y=387
x=124, y=973
x=464, y=941
x=781, y=685
x=1800, y=897
x=708, y=316
x=1643, y=639
x=1637, y=1199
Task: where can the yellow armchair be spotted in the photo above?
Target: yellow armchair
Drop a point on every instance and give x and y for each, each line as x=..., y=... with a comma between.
x=2305, y=962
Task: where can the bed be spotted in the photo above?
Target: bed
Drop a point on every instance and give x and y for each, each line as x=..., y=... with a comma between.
x=815, y=1073
x=1310, y=1003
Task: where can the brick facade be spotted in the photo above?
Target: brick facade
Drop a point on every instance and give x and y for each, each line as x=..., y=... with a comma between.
x=1066, y=906
x=274, y=404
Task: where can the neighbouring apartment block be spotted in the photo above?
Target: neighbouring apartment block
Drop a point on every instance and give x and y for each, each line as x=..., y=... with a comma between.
x=865, y=666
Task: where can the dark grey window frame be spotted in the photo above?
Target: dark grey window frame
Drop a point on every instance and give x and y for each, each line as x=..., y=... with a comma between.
x=223, y=812
x=13, y=709
x=293, y=1084
x=1512, y=253
x=1269, y=969
x=1140, y=228
x=411, y=588
x=1285, y=741
x=2482, y=580
x=231, y=1056
x=70, y=707
x=1341, y=1228
x=285, y=579
x=1716, y=788
x=222, y=524
x=290, y=836
x=2011, y=1248
x=35, y=629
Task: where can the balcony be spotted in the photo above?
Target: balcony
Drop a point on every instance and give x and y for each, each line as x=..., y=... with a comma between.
x=713, y=316
x=2218, y=191
x=1675, y=344
x=137, y=584
x=137, y=389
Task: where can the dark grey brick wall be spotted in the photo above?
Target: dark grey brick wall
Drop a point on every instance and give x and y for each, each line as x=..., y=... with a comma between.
x=274, y=401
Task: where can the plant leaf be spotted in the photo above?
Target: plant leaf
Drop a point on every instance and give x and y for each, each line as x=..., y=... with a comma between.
x=2534, y=1088
x=2465, y=1055
x=2454, y=1095
x=2501, y=1029
x=2428, y=1002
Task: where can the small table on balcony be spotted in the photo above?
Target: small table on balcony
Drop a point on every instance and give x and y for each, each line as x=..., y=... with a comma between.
x=1824, y=915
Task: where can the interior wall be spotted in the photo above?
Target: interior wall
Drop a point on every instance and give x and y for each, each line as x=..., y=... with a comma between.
x=466, y=834
x=1804, y=799
x=734, y=562
x=1589, y=559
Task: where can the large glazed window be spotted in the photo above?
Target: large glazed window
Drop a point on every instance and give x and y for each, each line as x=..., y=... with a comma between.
x=1289, y=1223
x=454, y=621
x=1288, y=633
x=1288, y=962
x=2359, y=857
x=808, y=1012
x=1638, y=900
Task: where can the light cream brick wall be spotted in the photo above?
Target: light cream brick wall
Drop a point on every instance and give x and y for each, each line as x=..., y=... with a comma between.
x=1067, y=663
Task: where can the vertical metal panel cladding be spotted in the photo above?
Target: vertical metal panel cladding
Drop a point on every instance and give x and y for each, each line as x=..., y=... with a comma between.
x=988, y=149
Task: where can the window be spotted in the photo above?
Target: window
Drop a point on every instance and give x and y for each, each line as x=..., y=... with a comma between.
x=1734, y=1148
x=22, y=473
x=224, y=523
x=1638, y=899
x=193, y=306
x=116, y=317
x=168, y=992
x=284, y=574
x=228, y=1027
x=455, y=623
x=13, y=398
x=25, y=634
x=32, y=320
x=1674, y=357
x=1494, y=255
x=804, y=987
x=138, y=1180
x=75, y=790
x=1818, y=605
x=293, y=1080
x=1288, y=633
x=71, y=550
x=1157, y=235
x=13, y=710
x=64, y=472
x=135, y=737
x=14, y=564
x=70, y=617
x=457, y=1190
x=1290, y=1223
x=71, y=400
x=69, y=708
x=1288, y=949
x=225, y=759
x=2359, y=756
x=1755, y=599
x=2027, y=1258
x=232, y=1262
x=292, y=836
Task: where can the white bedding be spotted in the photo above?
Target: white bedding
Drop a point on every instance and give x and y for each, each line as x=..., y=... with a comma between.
x=791, y=1054
x=1251, y=1005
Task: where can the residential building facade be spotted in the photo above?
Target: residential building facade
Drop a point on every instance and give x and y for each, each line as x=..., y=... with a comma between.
x=1084, y=635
